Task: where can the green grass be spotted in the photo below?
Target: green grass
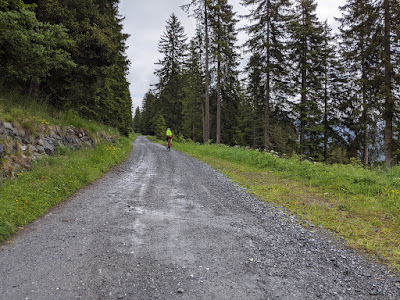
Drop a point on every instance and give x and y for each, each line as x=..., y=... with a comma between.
x=32, y=114
x=52, y=180
x=360, y=205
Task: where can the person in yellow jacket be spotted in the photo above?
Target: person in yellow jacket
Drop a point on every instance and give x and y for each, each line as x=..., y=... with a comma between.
x=169, y=136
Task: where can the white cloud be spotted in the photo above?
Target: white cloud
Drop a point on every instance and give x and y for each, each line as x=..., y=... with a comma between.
x=145, y=21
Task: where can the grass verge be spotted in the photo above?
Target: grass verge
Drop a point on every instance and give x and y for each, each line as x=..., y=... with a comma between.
x=32, y=113
x=360, y=205
x=52, y=180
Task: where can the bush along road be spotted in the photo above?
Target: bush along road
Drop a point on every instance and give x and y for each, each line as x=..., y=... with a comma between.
x=165, y=226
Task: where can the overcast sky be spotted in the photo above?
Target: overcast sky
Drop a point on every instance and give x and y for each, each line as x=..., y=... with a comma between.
x=145, y=21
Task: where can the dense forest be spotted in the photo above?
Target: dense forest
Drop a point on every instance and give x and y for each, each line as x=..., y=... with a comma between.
x=305, y=90
x=68, y=53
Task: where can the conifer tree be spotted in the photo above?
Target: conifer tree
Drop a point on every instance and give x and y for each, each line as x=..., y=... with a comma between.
x=255, y=101
x=173, y=47
x=193, y=104
x=332, y=86
x=389, y=12
x=7, y=5
x=137, y=119
x=224, y=36
x=359, y=49
x=30, y=50
x=266, y=38
x=201, y=10
x=97, y=87
x=305, y=43
x=150, y=113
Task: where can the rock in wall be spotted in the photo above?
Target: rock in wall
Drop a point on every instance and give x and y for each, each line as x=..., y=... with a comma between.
x=19, y=148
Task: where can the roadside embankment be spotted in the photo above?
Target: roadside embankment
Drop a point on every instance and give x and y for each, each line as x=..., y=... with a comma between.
x=52, y=179
x=19, y=147
x=46, y=156
x=360, y=205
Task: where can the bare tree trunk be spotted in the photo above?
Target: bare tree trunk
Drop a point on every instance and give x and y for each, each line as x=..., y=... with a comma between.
x=204, y=127
x=303, y=99
x=267, y=144
x=365, y=115
x=218, y=133
x=389, y=105
x=254, y=137
x=206, y=136
x=302, y=112
x=326, y=116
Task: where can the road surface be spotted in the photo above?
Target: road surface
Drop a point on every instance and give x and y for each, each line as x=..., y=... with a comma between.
x=165, y=226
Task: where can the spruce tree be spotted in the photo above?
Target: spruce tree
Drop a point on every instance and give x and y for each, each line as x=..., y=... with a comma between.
x=193, y=104
x=389, y=12
x=201, y=10
x=266, y=39
x=223, y=39
x=173, y=47
x=150, y=113
x=359, y=50
x=137, y=119
x=97, y=87
x=255, y=101
x=332, y=86
x=305, y=43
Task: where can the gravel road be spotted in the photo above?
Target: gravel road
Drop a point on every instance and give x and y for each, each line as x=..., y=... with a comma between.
x=165, y=226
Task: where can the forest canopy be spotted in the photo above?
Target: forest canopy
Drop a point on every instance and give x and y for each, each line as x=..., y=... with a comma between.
x=71, y=53
x=331, y=97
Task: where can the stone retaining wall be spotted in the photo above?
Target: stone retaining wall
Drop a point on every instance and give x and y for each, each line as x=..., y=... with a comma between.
x=19, y=148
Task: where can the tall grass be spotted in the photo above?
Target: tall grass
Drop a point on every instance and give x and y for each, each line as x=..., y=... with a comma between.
x=359, y=204
x=52, y=179
x=28, y=111
x=345, y=180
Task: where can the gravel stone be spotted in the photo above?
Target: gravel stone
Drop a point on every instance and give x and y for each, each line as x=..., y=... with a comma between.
x=161, y=223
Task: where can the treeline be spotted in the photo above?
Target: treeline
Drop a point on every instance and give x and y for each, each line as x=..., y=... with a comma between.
x=328, y=97
x=71, y=53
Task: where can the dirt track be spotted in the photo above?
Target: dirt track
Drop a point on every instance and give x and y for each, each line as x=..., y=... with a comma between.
x=165, y=226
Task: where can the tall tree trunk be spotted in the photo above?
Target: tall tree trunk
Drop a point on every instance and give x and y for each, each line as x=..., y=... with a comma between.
x=206, y=124
x=389, y=105
x=218, y=133
x=303, y=99
x=219, y=73
x=203, y=119
x=254, y=137
x=267, y=144
x=302, y=112
x=326, y=116
x=365, y=114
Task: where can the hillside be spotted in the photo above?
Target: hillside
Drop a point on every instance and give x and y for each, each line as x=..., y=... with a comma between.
x=46, y=155
x=69, y=53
